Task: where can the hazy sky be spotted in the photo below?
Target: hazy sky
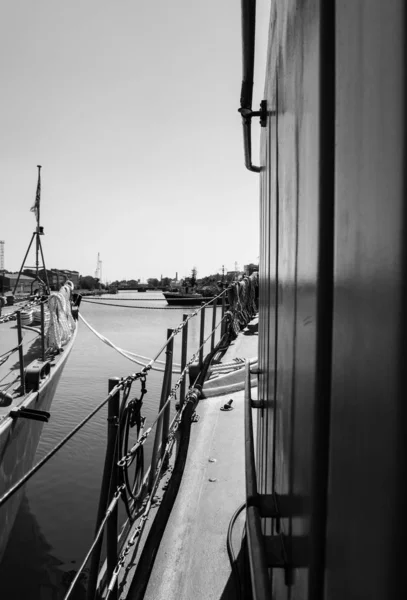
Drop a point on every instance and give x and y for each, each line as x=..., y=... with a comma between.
x=131, y=109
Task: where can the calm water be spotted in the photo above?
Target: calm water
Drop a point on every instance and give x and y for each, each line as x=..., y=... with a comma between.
x=56, y=522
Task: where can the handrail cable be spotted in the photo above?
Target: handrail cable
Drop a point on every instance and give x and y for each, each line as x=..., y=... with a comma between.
x=99, y=533
x=127, y=354
x=170, y=442
x=64, y=440
x=143, y=519
x=125, y=459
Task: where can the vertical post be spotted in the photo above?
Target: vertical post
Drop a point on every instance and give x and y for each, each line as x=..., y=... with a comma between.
x=201, y=336
x=215, y=302
x=223, y=313
x=111, y=526
x=42, y=332
x=158, y=426
x=113, y=411
x=184, y=354
x=20, y=353
x=166, y=390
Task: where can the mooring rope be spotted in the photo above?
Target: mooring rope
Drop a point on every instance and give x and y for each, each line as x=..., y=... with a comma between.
x=166, y=307
x=135, y=358
x=132, y=356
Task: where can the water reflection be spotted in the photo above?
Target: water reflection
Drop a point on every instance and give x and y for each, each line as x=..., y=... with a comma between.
x=29, y=570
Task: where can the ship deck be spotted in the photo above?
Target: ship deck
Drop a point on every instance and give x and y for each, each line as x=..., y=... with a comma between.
x=10, y=366
x=192, y=560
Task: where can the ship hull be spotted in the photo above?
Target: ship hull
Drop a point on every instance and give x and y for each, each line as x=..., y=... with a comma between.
x=19, y=440
x=175, y=299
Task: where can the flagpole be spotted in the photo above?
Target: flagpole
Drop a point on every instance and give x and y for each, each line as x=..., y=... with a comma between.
x=38, y=203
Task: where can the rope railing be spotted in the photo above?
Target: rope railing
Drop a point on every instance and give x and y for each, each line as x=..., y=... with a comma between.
x=52, y=452
x=126, y=461
x=209, y=300
x=138, y=497
x=134, y=357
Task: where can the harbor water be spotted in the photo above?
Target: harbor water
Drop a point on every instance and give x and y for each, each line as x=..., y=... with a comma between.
x=56, y=521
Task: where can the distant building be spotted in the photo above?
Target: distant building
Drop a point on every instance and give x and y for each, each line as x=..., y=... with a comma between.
x=56, y=277
x=71, y=276
x=26, y=284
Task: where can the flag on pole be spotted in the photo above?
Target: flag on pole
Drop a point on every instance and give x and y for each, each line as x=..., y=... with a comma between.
x=36, y=206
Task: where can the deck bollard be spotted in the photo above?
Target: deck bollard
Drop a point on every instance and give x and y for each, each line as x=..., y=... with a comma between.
x=215, y=303
x=159, y=426
x=184, y=354
x=201, y=336
x=20, y=353
x=42, y=332
x=108, y=488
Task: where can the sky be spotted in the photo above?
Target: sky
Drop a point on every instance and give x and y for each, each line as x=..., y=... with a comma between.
x=131, y=109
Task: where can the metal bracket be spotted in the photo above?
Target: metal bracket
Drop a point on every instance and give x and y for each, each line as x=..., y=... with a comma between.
x=30, y=413
x=248, y=113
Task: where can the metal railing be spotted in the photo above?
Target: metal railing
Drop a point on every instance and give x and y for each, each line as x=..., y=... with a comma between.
x=123, y=414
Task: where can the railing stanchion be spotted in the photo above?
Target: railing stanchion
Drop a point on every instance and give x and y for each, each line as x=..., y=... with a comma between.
x=167, y=390
x=223, y=326
x=159, y=428
x=184, y=354
x=20, y=353
x=42, y=332
x=201, y=336
x=106, y=490
x=215, y=302
x=112, y=524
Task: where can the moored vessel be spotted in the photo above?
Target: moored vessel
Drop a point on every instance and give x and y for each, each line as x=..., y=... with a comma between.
x=36, y=338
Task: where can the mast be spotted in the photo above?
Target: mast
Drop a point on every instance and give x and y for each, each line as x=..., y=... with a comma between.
x=38, y=247
x=36, y=209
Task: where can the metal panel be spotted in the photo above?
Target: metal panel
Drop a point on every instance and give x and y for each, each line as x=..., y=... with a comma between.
x=294, y=68
x=367, y=468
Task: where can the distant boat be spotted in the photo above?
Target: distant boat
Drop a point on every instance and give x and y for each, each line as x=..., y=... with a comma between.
x=183, y=299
